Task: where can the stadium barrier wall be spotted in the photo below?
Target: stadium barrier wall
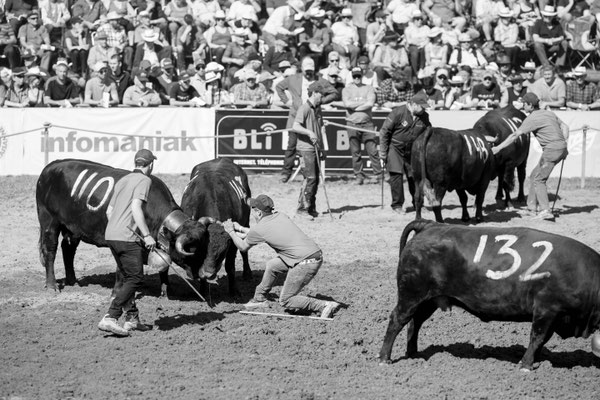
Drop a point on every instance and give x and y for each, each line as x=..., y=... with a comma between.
x=184, y=137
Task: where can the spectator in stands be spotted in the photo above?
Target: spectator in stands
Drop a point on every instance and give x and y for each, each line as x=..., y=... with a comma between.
x=345, y=38
x=528, y=69
x=450, y=37
x=54, y=15
x=5, y=82
x=150, y=50
x=390, y=57
x=236, y=54
x=165, y=79
x=197, y=79
x=487, y=13
x=216, y=96
x=175, y=11
x=315, y=41
x=442, y=83
x=183, y=94
x=76, y=45
x=218, y=36
x=272, y=5
x=456, y=98
x=267, y=78
x=486, y=94
x=333, y=77
x=514, y=93
x=550, y=89
x=358, y=100
x=549, y=38
x=63, y=91
x=140, y=94
x=449, y=12
x=253, y=31
x=436, y=53
x=117, y=38
x=125, y=10
x=8, y=42
x=34, y=36
x=190, y=43
x=16, y=95
x=205, y=11
x=526, y=13
x=334, y=61
x=144, y=24
x=581, y=94
x=17, y=12
x=369, y=77
x=116, y=75
x=98, y=91
x=90, y=11
x=100, y=51
x=295, y=85
x=250, y=93
x=158, y=19
x=396, y=90
x=375, y=33
x=277, y=54
x=416, y=35
x=281, y=22
x=243, y=8
x=467, y=54
x=506, y=34
x=35, y=91
x=400, y=14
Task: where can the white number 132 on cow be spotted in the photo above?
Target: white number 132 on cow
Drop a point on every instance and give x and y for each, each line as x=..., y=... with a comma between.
x=529, y=274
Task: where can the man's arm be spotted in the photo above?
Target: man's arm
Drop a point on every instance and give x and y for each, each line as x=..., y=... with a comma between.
x=140, y=221
x=565, y=129
x=507, y=142
x=240, y=243
x=369, y=103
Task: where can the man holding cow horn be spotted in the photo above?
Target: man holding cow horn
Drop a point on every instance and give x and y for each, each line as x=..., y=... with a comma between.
x=400, y=129
x=125, y=214
x=552, y=134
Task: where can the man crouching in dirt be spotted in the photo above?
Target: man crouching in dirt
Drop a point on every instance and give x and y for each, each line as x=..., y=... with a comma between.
x=297, y=255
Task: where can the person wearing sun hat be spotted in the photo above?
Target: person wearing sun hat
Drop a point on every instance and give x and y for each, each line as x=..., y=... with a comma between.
x=581, y=94
x=250, y=92
x=117, y=37
x=549, y=37
x=506, y=33
x=16, y=95
x=467, y=54
x=416, y=36
x=514, y=93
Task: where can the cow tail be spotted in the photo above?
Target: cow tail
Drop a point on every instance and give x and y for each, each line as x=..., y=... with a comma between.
x=509, y=178
x=415, y=226
x=423, y=159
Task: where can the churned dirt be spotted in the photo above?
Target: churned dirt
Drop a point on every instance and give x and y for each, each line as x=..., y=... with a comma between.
x=51, y=347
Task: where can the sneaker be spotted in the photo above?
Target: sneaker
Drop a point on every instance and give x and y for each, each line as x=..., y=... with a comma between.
x=360, y=179
x=545, y=215
x=136, y=325
x=284, y=179
x=253, y=303
x=400, y=210
x=330, y=308
x=304, y=214
x=108, y=324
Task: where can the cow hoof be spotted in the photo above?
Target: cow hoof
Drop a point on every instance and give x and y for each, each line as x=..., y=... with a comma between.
x=465, y=219
x=523, y=369
x=385, y=363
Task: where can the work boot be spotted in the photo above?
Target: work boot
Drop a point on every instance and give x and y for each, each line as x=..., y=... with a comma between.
x=109, y=324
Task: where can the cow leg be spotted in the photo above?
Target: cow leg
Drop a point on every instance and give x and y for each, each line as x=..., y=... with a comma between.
x=398, y=320
x=424, y=311
x=541, y=332
x=522, y=173
x=464, y=199
x=479, y=198
x=48, y=244
x=247, y=274
x=69, y=247
x=164, y=282
x=500, y=189
x=230, y=269
x=418, y=200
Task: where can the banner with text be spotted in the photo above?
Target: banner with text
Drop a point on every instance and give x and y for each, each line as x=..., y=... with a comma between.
x=87, y=133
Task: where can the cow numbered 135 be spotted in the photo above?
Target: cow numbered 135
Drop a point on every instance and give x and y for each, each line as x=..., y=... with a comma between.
x=496, y=274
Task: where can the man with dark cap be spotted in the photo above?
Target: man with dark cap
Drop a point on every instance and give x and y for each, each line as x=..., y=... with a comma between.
x=400, y=129
x=125, y=214
x=139, y=94
x=298, y=256
x=552, y=134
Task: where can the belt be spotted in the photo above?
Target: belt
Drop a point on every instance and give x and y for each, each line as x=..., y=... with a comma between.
x=316, y=259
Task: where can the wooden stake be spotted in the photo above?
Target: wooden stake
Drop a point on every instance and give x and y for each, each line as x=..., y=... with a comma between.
x=284, y=315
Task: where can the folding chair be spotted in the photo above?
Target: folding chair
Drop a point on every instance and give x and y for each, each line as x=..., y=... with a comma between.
x=584, y=50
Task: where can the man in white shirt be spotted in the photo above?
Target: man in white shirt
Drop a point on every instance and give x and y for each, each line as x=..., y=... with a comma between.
x=281, y=21
x=345, y=37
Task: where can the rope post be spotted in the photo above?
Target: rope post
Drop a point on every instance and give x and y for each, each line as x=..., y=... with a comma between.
x=583, y=148
x=46, y=134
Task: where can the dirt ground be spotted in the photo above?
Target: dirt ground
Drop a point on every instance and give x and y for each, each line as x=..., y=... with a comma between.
x=52, y=349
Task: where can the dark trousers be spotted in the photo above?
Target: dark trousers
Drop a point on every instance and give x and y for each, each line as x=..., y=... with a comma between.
x=12, y=55
x=310, y=170
x=79, y=59
x=130, y=265
x=416, y=57
x=397, y=187
x=370, y=142
x=290, y=153
x=542, y=50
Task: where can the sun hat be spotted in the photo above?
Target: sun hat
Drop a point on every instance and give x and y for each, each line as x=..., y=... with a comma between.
x=549, y=11
x=214, y=66
x=505, y=12
x=98, y=66
x=416, y=14
x=346, y=12
x=211, y=76
x=529, y=66
x=297, y=5
x=435, y=32
x=113, y=15
x=357, y=71
x=580, y=71
x=464, y=37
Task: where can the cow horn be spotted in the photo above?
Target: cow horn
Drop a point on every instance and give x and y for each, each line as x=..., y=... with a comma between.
x=179, y=243
x=207, y=220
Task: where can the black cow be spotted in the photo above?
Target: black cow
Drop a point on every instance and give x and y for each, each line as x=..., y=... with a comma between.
x=496, y=274
x=444, y=160
x=218, y=190
x=72, y=197
x=499, y=124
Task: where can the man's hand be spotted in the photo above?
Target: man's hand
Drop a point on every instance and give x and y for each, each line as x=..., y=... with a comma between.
x=228, y=226
x=382, y=162
x=149, y=242
x=314, y=139
x=495, y=150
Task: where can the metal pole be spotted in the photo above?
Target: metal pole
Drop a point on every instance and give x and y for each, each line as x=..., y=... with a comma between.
x=583, y=150
x=46, y=134
x=320, y=171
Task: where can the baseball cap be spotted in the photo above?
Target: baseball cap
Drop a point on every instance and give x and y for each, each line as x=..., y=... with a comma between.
x=531, y=98
x=363, y=60
x=515, y=78
x=142, y=75
x=308, y=64
x=184, y=76
x=420, y=99
x=144, y=156
x=284, y=64
x=262, y=202
x=487, y=74
x=357, y=71
x=166, y=63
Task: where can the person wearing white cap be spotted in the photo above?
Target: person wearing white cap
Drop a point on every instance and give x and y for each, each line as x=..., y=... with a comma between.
x=98, y=90
x=281, y=21
x=416, y=35
x=549, y=38
x=486, y=94
x=345, y=38
x=581, y=94
x=436, y=52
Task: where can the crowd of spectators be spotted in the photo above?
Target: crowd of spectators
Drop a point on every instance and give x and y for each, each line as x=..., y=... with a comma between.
x=463, y=54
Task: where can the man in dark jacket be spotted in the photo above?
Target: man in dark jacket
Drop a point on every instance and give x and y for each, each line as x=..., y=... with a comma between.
x=121, y=78
x=400, y=129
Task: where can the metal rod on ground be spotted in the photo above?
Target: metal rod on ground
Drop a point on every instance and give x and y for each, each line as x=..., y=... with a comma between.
x=583, y=148
x=558, y=186
x=46, y=134
x=295, y=173
x=169, y=264
x=382, y=185
x=284, y=315
x=323, y=179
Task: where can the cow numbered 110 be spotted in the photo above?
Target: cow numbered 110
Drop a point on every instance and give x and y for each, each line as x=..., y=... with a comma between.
x=496, y=274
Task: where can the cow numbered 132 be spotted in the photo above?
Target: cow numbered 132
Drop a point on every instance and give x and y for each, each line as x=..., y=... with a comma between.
x=496, y=274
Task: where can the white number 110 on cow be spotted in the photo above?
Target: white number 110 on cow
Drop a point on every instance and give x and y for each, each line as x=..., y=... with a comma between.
x=529, y=274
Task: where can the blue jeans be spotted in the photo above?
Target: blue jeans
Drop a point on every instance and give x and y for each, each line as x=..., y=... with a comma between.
x=130, y=265
x=539, y=176
x=310, y=170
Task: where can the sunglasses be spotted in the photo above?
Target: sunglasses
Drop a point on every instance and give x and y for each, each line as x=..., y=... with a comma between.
x=443, y=77
x=334, y=60
x=346, y=17
x=487, y=79
x=33, y=17
x=102, y=71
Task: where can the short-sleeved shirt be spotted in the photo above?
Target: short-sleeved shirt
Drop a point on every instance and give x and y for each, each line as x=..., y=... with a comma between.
x=57, y=91
x=542, y=29
x=361, y=94
x=136, y=185
x=289, y=242
x=176, y=92
x=556, y=91
x=586, y=94
x=480, y=92
x=545, y=125
x=309, y=117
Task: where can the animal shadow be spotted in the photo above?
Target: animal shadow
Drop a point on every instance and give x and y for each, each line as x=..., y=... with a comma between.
x=353, y=208
x=167, y=323
x=577, y=210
